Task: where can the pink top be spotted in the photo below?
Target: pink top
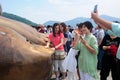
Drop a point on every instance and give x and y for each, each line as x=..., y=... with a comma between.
x=56, y=40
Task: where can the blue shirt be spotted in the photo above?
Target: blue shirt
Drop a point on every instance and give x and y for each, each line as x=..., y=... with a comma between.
x=116, y=30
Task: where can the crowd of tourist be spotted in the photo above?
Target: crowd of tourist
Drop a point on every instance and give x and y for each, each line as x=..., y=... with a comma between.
x=98, y=49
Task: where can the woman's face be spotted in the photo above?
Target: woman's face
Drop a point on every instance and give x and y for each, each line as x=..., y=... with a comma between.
x=80, y=31
x=85, y=30
x=57, y=28
x=61, y=28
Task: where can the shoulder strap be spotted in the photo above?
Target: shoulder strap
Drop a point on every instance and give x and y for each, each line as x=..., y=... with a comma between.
x=52, y=40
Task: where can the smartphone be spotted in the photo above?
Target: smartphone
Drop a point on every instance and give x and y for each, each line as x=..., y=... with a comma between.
x=95, y=8
x=81, y=37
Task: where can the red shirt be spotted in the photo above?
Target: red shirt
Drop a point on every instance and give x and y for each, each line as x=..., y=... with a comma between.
x=56, y=40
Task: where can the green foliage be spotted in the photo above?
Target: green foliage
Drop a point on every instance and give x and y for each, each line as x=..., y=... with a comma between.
x=18, y=18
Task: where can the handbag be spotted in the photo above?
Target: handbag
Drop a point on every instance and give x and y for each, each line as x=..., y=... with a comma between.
x=59, y=56
x=113, y=50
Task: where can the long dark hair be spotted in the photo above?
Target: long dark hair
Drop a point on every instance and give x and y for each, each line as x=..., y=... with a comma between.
x=53, y=28
x=64, y=27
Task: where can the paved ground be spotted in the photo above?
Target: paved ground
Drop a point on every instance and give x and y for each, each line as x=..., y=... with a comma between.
x=109, y=78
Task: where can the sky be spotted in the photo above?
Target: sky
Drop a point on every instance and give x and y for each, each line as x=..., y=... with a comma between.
x=41, y=11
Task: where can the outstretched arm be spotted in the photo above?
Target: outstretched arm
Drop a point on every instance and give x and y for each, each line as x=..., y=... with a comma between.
x=103, y=23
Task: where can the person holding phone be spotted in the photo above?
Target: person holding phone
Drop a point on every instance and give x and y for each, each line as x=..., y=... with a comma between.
x=115, y=28
x=87, y=61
